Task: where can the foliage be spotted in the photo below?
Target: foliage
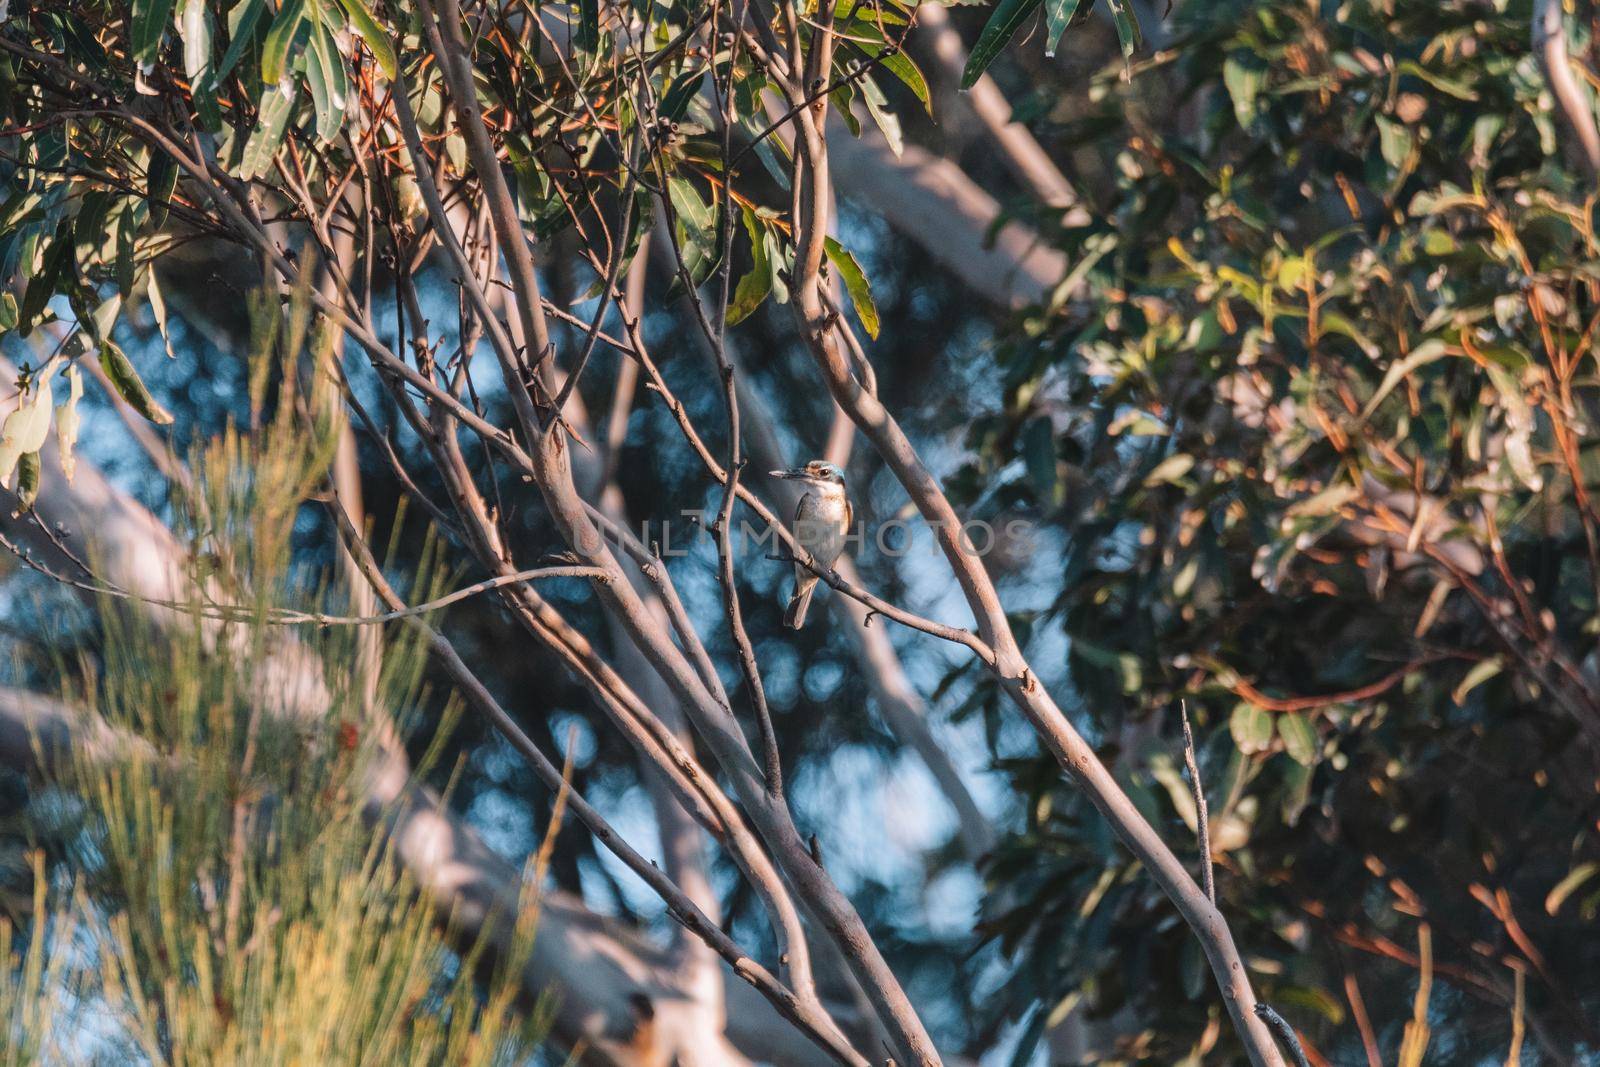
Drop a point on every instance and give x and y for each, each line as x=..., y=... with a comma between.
x=224, y=892
x=282, y=98
x=1308, y=415
x=1316, y=432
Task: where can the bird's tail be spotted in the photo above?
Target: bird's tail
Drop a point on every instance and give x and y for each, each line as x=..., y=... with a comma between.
x=795, y=616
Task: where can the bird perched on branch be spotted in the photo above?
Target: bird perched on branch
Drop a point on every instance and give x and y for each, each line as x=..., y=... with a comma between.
x=822, y=521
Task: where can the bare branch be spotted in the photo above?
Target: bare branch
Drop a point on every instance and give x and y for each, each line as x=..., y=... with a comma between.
x=807, y=1016
x=1283, y=1032
x=1555, y=63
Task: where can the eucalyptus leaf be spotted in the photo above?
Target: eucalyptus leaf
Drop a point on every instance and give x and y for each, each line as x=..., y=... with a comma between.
x=1058, y=16
x=377, y=41
x=280, y=36
x=326, y=79
x=195, y=25
x=26, y=429
x=28, y=480
x=162, y=182
x=277, y=104
x=242, y=23
x=757, y=283
x=887, y=121
x=148, y=26
x=1244, y=74
x=1129, y=36
x=1251, y=727
x=68, y=422
x=1004, y=22
x=1481, y=672
x=856, y=284
x=1568, y=885
x=125, y=379
x=1299, y=738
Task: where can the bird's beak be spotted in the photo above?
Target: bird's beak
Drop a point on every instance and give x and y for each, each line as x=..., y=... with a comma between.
x=793, y=472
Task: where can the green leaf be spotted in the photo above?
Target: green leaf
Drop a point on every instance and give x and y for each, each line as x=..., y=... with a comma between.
x=103, y=319
x=1519, y=425
x=89, y=228
x=98, y=323
x=150, y=18
x=856, y=284
x=1324, y=502
x=754, y=286
x=1192, y=969
x=28, y=426
x=894, y=61
x=158, y=308
x=1428, y=351
x=1245, y=74
x=277, y=103
x=195, y=26
x=1299, y=738
x=1332, y=322
x=1128, y=35
x=1481, y=672
x=1442, y=199
x=1251, y=728
x=1170, y=469
x=1058, y=16
x=129, y=385
x=364, y=24
x=1394, y=141
x=455, y=150
x=1317, y=1000
x=162, y=179
x=901, y=66
x=54, y=272
x=841, y=98
x=1124, y=665
x=1445, y=85
x=326, y=77
x=67, y=423
x=696, y=227
x=878, y=107
x=1569, y=885
x=677, y=97
x=242, y=22
x=127, y=247
x=8, y=312
x=847, y=12
x=275, y=53
x=28, y=480
x=778, y=262
x=1003, y=24
x=587, y=37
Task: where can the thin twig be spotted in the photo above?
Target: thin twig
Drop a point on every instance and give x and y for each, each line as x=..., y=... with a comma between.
x=1202, y=826
x=290, y=617
x=1283, y=1032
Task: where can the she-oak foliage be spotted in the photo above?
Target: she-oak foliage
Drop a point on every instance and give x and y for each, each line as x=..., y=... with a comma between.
x=1312, y=409
x=220, y=891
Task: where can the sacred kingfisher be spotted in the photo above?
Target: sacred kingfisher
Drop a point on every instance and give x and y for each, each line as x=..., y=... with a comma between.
x=822, y=521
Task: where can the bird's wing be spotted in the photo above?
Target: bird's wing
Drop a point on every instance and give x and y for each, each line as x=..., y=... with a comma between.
x=849, y=516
